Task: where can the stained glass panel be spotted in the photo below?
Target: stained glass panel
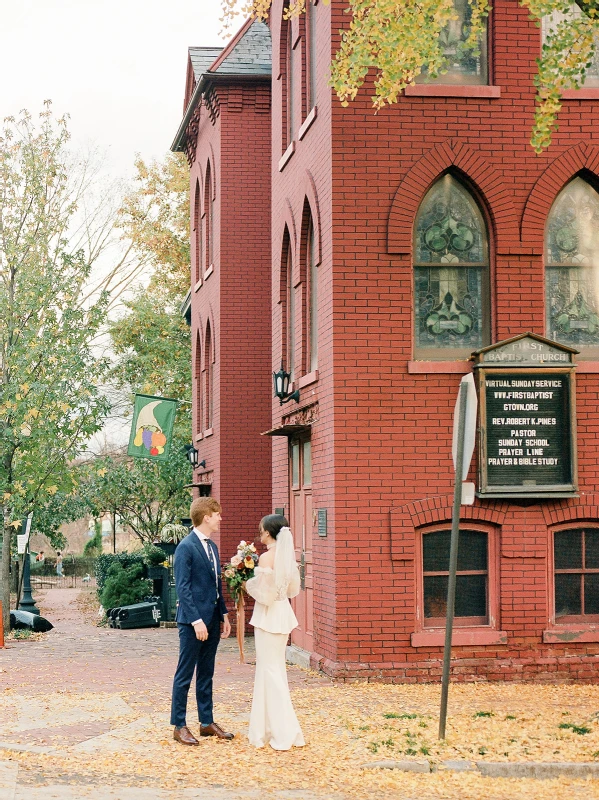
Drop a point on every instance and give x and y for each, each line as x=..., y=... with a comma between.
x=449, y=308
x=449, y=227
x=572, y=257
x=462, y=66
x=450, y=291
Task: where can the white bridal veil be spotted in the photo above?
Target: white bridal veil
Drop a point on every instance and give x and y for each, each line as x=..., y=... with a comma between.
x=285, y=568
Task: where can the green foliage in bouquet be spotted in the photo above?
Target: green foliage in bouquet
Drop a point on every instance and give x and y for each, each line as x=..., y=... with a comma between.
x=240, y=569
x=124, y=587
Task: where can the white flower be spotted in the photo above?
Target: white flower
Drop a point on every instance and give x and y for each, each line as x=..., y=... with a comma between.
x=236, y=560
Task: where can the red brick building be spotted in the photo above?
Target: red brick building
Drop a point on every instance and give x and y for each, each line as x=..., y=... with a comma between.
x=399, y=244
x=225, y=134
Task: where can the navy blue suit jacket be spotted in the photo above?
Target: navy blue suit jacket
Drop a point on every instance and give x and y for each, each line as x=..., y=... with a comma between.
x=196, y=584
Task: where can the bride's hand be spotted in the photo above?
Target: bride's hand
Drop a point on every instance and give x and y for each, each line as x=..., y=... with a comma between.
x=226, y=628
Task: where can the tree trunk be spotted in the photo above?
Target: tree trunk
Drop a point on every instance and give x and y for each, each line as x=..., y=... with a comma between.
x=5, y=574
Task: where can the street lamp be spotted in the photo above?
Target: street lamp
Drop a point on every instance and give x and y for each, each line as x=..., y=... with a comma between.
x=281, y=381
x=27, y=602
x=192, y=456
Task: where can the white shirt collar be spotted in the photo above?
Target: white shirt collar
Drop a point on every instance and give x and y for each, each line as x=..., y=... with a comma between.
x=202, y=536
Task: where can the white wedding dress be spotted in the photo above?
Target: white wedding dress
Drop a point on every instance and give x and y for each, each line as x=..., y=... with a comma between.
x=273, y=720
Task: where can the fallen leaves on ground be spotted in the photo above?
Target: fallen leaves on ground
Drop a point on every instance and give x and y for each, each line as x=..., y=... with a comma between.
x=345, y=726
x=88, y=605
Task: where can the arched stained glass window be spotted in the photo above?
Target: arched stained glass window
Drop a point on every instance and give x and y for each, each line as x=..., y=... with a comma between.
x=572, y=268
x=451, y=274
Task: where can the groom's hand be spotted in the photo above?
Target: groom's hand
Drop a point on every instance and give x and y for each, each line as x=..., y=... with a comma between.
x=201, y=631
x=226, y=627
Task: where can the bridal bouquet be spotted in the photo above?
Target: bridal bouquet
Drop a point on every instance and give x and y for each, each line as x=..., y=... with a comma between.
x=240, y=569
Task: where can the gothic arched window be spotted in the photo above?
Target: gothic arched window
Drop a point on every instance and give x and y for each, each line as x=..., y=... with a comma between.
x=572, y=268
x=451, y=274
x=197, y=228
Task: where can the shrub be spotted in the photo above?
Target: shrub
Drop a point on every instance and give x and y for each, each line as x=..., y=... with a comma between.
x=124, y=586
x=106, y=560
x=153, y=556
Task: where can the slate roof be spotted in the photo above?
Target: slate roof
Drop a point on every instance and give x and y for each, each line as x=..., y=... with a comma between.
x=202, y=58
x=249, y=55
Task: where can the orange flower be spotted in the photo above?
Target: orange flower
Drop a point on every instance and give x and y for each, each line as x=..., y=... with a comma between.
x=249, y=562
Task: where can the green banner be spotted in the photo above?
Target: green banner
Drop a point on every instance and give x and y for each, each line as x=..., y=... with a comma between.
x=152, y=427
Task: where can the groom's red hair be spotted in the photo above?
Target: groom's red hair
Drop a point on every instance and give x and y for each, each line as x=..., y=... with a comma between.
x=202, y=507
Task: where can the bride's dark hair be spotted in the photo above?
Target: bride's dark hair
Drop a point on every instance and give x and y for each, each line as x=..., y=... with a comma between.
x=272, y=523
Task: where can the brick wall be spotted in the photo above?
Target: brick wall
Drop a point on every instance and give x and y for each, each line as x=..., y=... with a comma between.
x=235, y=139
x=383, y=435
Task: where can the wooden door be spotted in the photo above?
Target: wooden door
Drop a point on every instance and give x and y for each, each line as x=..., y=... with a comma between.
x=300, y=482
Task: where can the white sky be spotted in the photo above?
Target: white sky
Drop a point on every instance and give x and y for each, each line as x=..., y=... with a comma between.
x=116, y=66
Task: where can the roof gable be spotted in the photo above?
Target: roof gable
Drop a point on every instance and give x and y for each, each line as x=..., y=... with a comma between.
x=201, y=58
x=248, y=53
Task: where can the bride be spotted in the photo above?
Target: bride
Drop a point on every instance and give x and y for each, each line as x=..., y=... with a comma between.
x=273, y=720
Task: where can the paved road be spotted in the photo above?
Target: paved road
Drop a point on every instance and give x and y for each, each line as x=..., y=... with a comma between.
x=48, y=689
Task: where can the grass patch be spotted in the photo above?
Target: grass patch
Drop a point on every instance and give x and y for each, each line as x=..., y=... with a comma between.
x=393, y=715
x=579, y=729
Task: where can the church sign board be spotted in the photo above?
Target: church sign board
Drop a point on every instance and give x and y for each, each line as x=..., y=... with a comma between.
x=527, y=444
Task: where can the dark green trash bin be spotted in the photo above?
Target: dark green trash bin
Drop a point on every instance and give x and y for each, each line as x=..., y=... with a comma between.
x=140, y=615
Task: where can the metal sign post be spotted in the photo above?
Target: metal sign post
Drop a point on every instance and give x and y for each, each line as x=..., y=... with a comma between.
x=464, y=434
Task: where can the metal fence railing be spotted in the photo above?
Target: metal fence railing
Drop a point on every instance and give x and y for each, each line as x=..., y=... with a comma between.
x=64, y=582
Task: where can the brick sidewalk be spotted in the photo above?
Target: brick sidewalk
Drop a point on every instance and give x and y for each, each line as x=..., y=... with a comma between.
x=78, y=658
x=81, y=657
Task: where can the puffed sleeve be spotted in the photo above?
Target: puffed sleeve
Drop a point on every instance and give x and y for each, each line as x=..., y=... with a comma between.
x=262, y=588
x=294, y=584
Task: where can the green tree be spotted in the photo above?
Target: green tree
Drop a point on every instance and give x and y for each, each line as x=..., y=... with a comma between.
x=151, y=343
x=145, y=494
x=50, y=403
x=399, y=39
x=93, y=547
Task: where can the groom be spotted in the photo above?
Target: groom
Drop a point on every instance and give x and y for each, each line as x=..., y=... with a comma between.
x=199, y=614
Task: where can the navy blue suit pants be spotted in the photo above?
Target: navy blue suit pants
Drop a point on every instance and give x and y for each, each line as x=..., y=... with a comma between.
x=195, y=656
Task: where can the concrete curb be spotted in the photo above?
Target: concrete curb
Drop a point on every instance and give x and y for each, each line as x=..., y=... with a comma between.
x=542, y=770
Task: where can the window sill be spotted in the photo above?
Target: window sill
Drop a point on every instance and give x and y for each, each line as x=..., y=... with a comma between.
x=209, y=271
x=592, y=93
x=307, y=123
x=208, y=432
x=446, y=90
x=199, y=437
x=307, y=380
x=431, y=367
x=435, y=637
x=574, y=632
x=286, y=156
x=198, y=285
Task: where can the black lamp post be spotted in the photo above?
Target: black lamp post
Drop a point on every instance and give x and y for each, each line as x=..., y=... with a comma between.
x=27, y=602
x=281, y=380
x=192, y=456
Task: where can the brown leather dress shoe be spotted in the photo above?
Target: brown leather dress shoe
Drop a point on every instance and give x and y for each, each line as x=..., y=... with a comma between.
x=214, y=730
x=184, y=736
